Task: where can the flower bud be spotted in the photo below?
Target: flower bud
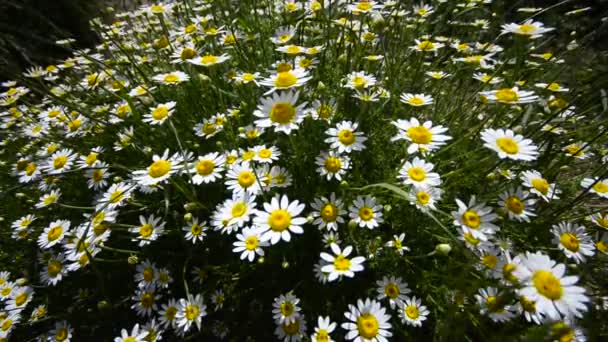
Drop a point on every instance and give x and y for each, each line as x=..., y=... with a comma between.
x=310, y=219
x=133, y=260
x=285, y=264
x=352, y=224
x=103, y=305
x=344, y=184
x=190, y=206
x=187, y=217
x=443, y=248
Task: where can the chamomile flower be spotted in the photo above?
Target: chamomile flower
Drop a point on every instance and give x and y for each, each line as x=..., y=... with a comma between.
x=426, y=45
x=285, y=308
x=21, y=297
x=209, y=60
x=48, y=199
x=397, y=244
x=573, y=240
x=340, y=264
x=332, y=165
x=233, y=213
x=190, y=312
x=328, y=212
x=265, y=154
x=54, y=271
x=422, y=137
x=60, y=161
x=323, y=330
x=416, y=100
x=418, y=173
x=160, y=170
x=554, y=87
x=596, y=186
x=150, y=229
x=600, y=219
x=249, y=244
x=167, y=313
x=208, y=168
x=509, y=145
x=488, y=79
x=492, y=303
x=172, y=78
x=528, y=309
x=366, y=212
x=394, y=289
x=146, y=274
x=280, y=111
x=116, y=196
x=364, y=7
x=159, y=114
x=538, y=185
x=437, y=75
x=359, y=80
x=510, y=96
x=344, y=137
x=475, y=218
x=280, y=218
x=518, y=204
x=136, y=335
x=425, y=197
x=412, y=312
x=62, y=332
x=283, y=35
x=545, y=283
x=195, y=231
x=145, y=301
x=291, y=332
x=368, y=321
x=53, y=234
x=286, y=79
x=242, y=179
x=530, y=28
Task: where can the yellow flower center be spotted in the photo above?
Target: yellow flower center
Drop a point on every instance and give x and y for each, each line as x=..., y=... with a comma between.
x=192, y=312
x=471, y=219
x=554, y=87
x=282, y=113
x=159, y=168
x=292, y=328
x=196, y=229
x=7, y=324
x=489, y=261
x=391, y=290
x=230, y=39
x=366, y=213
x=293, y=49
x=285, y=79
x=160, y=112
x=91, y=158
x=507, y=95
x=416, y=173
x=246, y=179
x=209, y=59
x=61, y=334
x=6, y=291
x=541, y=185
x=423, y=197
x=507, y=273
x=359, y=82
x=30, y=169
x=187, y=53
x=333, y=164
x=97, y=175
x=420, y=135
x=147, y=300
x=21, y=298
x=287, y=309
x=170, y=313
x=575, y=150
x=493, y=304
x=265, y=153
x=74, y=125
x=347, y=137
x=367, y=326
x=54, y=268
x=602, y=246
x=60, y=162
x=527, y=29
x=146, y=230
x=416, y=101
x=325, y=111
x=570, y=242
x=600, y=187
x=205, y=167
x=426, y=45
x=364, y=6
x=527, y=305
x=279, y=220
x=117, y=196
x=209, y=128
x=149, y=274
x=514, y=204
x=171, y=78
x=547, y=284
x=329, y=212
x=507, y=145
x=251, y=243
x=322, y=336
x=342, y=263
x=248, y=77
x=54, y=233
x=412, y=312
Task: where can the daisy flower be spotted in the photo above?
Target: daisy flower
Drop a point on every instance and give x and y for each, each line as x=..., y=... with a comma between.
x=160, y=170
x=53, y=234
x=530, y=28
x=538, y=185
x=397, y=244
x=146, y=274
x=573, y=240
x=366, y=212
x=328, y=212
x=577, y=150
x=554, y=87
x=323, y=110
x=596, y=186
x=62, y=332
x=195, y=231
x=422, y=137
x=48, y=199
x=167, y=313
x=115, y=196
x=145, y=301
x=249, y=244
x=190, y=311
x=475, y=218
x=332, y=165
x=286, y=79
x=323, y=330
x=292, y=332
x=423, y=10
x=368, y=321
x=159, y=114
x=233, y=213
x=209, y=60
x=359, y=80
x=518, y=204
x=265, y=154
x=279, y=218
x=394, y=289
x=418, y=173
x=60, y=161
x=509, y=96
x=172, y=78
x=283, y=35
x=545, y=283
x=437, y=75
x=135, y=336
x=242, y=179
x=600, y=219
x=344, y=137
x=492, y=303
x=509, y=145
x=528, y=309
x=22, y=295
x=149, y=230
x=54, y=271
x=208, y=168
x=364, y=7
x=280, y=111
x=247, y=77
x=184, y=54
x=425, y=197
x=413, y=312
x=285, y=308
x=416, y=100
x=339, y=264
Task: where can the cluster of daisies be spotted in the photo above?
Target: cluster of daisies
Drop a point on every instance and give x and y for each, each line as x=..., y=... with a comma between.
x=189, y=124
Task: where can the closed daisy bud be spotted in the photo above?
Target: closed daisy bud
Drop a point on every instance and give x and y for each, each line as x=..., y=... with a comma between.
x=443, y=248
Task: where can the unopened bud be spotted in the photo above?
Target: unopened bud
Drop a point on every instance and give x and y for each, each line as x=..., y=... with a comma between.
x=285, y=264
x=187, y=217
x=344, y=184
x=103, y=305
x=190, y=206
x=352, y=224
x=310, y=219
x=133, y=260
x=443, y=248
